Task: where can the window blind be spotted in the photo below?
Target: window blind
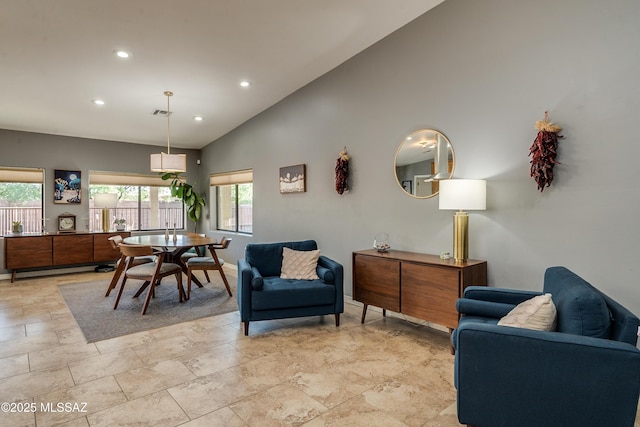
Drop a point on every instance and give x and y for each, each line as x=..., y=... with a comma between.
x=228, y=178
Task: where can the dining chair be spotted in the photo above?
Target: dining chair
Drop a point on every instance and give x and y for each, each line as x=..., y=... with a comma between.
x=196, y=251
x=150, y=273
x=116, y=241
x=205, y=263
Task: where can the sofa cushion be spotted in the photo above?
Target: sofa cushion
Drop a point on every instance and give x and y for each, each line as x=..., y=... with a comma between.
x=267, y=257
x=299, y=265
x=581, y=308
x=280, y=293
x=582, y=311
x=538, y=313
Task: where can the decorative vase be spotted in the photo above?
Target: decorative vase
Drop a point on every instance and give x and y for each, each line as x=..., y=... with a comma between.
x=17, y=229
x=121, y=227
x=381, y=242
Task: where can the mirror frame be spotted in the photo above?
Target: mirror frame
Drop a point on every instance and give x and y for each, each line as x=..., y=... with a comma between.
x=404, y=144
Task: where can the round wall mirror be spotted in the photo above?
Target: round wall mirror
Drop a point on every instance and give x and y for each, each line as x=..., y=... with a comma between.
x=423, y=158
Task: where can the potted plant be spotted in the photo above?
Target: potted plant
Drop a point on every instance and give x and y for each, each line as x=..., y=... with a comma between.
x=17, y=227
x=193, y=201
x=121, y=224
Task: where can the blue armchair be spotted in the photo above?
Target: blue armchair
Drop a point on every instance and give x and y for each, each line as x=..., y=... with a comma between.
x=263, y=294
x=586, y=373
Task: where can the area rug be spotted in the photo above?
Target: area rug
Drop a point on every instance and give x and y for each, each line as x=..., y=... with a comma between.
x=98, y=320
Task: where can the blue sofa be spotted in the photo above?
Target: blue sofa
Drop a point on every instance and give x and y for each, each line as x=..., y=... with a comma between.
x=263, y=295
x=585, y=373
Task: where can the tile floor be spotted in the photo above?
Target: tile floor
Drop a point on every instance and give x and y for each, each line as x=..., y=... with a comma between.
x=303, y=372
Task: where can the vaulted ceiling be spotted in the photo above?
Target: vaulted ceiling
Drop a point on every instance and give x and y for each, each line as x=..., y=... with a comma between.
x=58, y=56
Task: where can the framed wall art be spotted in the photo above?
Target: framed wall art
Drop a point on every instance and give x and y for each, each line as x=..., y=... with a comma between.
x=67, y=187
x=293, y=179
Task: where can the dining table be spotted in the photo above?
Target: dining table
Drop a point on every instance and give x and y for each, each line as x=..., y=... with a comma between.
x=173, y=246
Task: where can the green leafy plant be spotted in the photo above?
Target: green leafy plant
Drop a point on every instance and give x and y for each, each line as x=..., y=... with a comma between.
x=16, y=223
x=193, y=201
x=119, y=221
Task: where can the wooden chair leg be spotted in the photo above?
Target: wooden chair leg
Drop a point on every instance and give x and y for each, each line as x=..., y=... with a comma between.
x=120, y=292
x=206, y=274
x=337, y=319
x=150, y=292
x=246, y=328
x=141, y=290
x=224, y=279
x=116, y=275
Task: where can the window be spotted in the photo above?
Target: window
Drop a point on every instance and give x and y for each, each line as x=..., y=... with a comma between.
x=21, y=199
x=143, y=201
x=233, y=193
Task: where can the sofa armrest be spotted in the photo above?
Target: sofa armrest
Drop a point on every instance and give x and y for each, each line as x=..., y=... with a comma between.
x=338, y=279
x=245, y=276
x=513, y=376
x=473, y=307
x=501, y=295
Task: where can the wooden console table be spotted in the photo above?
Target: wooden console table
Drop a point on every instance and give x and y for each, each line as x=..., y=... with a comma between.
x=40, y=251
x=419, y=285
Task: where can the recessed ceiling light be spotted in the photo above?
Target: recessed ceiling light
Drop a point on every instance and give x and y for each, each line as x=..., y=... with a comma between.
x=198, y=118
x=245, y=84
x=98, y=101
x=122, y=54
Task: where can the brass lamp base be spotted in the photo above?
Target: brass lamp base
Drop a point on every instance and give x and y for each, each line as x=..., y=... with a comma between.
x=460, y=236
x=106, y=223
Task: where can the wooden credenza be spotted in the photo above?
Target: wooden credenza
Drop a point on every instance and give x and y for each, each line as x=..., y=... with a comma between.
x=418, y=285
x=31, y=252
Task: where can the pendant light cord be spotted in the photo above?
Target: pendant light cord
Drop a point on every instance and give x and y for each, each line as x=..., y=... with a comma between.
x=168, y=94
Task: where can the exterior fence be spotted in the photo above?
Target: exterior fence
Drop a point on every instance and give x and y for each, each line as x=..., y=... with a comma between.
x=166, y=215
x=29, y=217
x=32, y=220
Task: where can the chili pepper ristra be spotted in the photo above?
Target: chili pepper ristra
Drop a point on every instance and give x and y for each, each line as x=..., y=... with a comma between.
x=342, y=171
x=544, y=151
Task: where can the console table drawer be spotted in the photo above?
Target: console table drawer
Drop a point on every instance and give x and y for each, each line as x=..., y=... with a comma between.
x=377, y=282
x=28, y=252
x=72, y=249
x=430, y=293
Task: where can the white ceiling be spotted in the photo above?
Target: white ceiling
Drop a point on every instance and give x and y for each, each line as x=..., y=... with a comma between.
x=58, y=55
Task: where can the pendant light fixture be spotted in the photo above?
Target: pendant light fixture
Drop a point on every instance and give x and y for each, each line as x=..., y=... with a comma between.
x=167, y=162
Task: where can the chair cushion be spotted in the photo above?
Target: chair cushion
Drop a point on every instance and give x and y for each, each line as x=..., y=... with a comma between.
x=203, y=261
x=145, y=271
x=538, y=313
x=299, y=265
x=280, y=293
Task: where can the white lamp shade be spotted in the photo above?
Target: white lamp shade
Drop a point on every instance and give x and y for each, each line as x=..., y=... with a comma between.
x=163, y=162
x=105, y=200
x=463, y=194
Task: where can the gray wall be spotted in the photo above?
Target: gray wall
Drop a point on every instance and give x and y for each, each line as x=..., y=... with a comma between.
x=25, y=149
x=482, y=72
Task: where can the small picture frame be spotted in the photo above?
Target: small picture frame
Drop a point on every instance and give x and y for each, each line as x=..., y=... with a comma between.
x=67, y=187
x=293, y=179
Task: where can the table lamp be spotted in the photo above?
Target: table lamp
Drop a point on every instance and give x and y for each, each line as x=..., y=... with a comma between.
x=105, y=201
x=460, y=195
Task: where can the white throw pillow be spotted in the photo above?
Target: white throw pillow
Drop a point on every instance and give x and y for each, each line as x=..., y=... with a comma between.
x=538, y=313
x=299, y=264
